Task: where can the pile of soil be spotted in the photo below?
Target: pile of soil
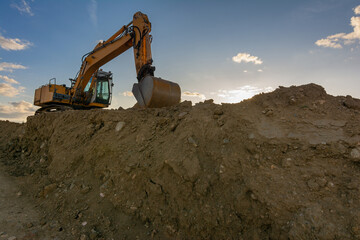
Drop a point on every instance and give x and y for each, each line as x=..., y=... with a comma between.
x=282, y=165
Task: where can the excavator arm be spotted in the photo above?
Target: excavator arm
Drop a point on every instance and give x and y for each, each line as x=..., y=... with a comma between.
x=149, y=91
x=91, y=88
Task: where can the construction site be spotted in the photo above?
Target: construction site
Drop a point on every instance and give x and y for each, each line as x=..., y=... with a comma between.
x=282, y=164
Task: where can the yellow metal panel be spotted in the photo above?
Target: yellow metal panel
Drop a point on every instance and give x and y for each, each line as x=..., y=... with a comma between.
x=46, y=94
x=37, y=97
x=60, y=89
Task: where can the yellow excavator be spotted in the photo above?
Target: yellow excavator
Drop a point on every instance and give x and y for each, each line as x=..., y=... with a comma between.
x=92, y=87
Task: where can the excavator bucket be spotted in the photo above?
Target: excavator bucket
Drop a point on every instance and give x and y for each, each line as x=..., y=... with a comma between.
x=155, y=92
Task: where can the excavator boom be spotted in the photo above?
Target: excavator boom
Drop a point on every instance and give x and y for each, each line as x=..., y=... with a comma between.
x=92, y=87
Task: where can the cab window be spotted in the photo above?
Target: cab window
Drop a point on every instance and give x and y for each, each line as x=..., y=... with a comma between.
x=102, y=92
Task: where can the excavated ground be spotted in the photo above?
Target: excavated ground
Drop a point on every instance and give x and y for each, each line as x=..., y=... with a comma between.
x=282, y=165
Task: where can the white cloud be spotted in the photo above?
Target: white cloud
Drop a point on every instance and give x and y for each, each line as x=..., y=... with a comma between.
x=245, y=71
x=246, y=57
x=9, y=67
x=23, y=7
x=336, y=36
x=194, y=94
x=92, y=9
x=8, y=80
x=240, y=93
x=357, y=10
x=16, y=111
x=336, y=40
x=9, y=91
x=127, y=94
x=355, y=23
x=13, y=43
x=325, y=42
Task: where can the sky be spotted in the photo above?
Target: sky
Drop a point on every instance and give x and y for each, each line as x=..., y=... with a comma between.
x=222, y=50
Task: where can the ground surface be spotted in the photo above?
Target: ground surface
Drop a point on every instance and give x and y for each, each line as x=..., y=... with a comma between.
x=16, y=213
x=20, y=217
x=282, y=165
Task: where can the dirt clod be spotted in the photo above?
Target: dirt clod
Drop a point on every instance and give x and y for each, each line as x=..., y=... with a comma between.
x=355, y=153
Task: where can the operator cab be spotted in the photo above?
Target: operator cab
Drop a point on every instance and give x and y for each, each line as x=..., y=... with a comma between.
x=103, y=88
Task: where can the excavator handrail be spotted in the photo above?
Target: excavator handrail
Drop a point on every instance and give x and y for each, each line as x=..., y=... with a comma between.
x=51, y=80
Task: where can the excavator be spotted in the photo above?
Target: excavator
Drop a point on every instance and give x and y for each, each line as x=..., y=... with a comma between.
x=92, y=87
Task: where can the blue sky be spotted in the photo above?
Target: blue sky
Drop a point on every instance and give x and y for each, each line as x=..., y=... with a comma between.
x=224, y=50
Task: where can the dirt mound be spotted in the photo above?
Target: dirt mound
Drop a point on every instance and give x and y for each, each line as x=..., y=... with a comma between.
x=282, y=165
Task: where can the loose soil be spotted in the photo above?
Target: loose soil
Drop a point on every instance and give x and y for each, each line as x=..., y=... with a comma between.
x=281, y=165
